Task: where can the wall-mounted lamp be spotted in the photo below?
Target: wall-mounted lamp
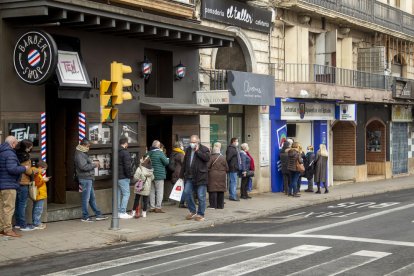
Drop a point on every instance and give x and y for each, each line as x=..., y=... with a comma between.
x=146, y=68
x=180, y=71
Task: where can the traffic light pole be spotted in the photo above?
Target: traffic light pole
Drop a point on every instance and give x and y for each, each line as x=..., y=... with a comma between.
x=115, y=135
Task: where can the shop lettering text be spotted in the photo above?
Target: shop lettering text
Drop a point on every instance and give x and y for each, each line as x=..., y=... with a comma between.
x=242, y=15
x=134, y=88
x=308, y=110
x=250, y=90
x=21, y=133
x=372, y=205
x=33, y=40
x=70, y=67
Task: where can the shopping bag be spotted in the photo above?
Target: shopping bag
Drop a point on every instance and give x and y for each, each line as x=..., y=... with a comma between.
x=32, y=188
x=177, y=190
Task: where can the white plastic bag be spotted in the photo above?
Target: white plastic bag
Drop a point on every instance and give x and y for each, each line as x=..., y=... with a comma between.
x=177, y=190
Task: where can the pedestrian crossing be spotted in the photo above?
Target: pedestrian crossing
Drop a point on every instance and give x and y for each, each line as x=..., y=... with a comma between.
x=205, y=258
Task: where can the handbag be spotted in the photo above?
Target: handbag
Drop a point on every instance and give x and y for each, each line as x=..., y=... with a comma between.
x=177, y=190
x=299, y=167
x=139, y=185
x=249, y=173
x=32, y=188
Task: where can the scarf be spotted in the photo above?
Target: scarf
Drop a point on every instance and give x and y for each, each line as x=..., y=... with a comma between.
x=178, y=150
x=82, y=148
x=251, y=161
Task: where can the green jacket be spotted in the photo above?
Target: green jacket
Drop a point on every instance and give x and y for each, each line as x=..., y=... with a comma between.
x=158, y=161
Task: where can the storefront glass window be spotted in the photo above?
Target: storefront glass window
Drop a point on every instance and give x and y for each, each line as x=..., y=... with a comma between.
x=218, y=130
x=28, y=131
x=236, y=128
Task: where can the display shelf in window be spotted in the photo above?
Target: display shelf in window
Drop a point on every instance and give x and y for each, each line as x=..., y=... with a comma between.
x=25, y=130
x=104, y=162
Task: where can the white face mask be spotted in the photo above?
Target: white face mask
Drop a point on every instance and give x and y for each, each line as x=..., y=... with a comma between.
x=193, y=145
x=236, y=144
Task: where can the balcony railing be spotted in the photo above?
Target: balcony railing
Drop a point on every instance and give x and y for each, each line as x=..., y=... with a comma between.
x=313, y=73
x=216, y=77
x=372, y=11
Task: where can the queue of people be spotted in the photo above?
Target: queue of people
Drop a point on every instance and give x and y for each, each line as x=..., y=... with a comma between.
x=295, y=164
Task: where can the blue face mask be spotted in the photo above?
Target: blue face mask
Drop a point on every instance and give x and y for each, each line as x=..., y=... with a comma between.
x=192, y=145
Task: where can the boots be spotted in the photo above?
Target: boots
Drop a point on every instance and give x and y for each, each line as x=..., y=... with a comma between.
x=319, y=188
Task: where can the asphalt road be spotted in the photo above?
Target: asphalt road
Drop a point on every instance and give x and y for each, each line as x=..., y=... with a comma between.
x=366, y=236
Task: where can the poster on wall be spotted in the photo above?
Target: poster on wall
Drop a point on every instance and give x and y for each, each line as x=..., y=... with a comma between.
x=99, y=133
x=264, y=140
x=130, y=131
x=104, y=164
x=21, y=131
x=281, y=135
x=374, y=141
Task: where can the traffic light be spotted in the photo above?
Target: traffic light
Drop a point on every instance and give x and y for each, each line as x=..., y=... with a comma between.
x=108, y=112
x=118, y=82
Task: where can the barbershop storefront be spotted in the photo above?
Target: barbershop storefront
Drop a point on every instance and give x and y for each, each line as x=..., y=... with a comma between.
x=58, y=104
x=302, y=121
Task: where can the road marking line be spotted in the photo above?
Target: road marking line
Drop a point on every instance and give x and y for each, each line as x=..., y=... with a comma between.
x=328, y=237
x=137, y=246
x=132, y=259
x=342, y=264
x=259, y=263
x=332, y=225
x=185, y=262
x=406, y=270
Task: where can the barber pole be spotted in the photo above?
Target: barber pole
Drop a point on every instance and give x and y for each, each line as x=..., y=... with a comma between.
x=43, y=137
x=82, y=126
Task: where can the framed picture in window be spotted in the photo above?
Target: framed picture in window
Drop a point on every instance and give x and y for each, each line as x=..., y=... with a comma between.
x=25, y=130
x=99, y=134
x=104, y=164
x=130, y=131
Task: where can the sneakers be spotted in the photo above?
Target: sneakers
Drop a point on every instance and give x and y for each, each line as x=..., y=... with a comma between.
x=99, y=218
x=12, y=234
x=123, y=216
x=27, y=228
x=17, y=227
x=211, y=208
x=144, y=214
x=199, y=218
x=40, y=226
x=190, y=216
x=133, y=212
x=87, y=220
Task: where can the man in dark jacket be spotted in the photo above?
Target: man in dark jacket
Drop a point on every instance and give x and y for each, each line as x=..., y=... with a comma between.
x=234, y=162
x=10, y=172
x=284, y=166
x=85, y=172
x=124, y=178
x=195, y=175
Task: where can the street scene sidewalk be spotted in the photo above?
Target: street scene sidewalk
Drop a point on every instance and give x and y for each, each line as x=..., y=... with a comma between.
x=74, y=235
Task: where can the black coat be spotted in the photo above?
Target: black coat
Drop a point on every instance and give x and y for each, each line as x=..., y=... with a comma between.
x=284, y=160
x=233, y=159
x=124, y=164
x=199, y=168
x=309, y=163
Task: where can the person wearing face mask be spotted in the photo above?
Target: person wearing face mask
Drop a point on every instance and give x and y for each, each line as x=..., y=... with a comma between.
x=195, y=175
x=234, y=161
x=175, y=165
x=85, y=172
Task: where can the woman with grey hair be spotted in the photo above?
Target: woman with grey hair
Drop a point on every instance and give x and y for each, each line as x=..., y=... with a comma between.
x=245, y=170
x=217, y=171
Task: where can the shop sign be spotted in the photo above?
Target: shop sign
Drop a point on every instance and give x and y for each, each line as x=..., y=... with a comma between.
x=346, y=112
x=307, y=111
x=250, y=89
x=402, y=113
x=237, y=14
x=35, y=57
x=212, y=97
x=70, y=69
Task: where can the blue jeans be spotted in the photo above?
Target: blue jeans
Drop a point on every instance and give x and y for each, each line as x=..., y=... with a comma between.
x=123, y=194
x=21, y=202
x=88, y=196
x=201, y=194
x=37, y=212
x=233, y=185
x=294, y=177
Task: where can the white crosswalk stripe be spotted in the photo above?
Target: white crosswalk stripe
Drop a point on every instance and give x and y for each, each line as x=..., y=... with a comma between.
x=342, y=264
x=259, y=263
x=185, y=262
x=132, y=259
x=404, y=271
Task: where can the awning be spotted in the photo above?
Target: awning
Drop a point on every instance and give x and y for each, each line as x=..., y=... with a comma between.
x=109, y=19
x=176, y=109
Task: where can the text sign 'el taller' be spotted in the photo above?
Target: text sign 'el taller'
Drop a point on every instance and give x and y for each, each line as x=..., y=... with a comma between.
x=237, y=14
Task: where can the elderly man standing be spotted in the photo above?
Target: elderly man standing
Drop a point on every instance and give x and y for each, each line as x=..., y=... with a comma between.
x=158, y=161
x=10, y=173
x=195, y=174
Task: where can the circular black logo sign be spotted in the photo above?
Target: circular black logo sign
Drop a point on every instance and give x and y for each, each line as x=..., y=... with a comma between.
x=35, y=57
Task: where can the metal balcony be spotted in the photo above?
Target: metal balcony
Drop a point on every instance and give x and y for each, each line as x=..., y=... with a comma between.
x=371, y=11
x=313, y=73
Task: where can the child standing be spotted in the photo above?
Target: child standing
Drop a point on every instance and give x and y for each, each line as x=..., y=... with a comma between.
x=38, y=204
x=145, y=173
